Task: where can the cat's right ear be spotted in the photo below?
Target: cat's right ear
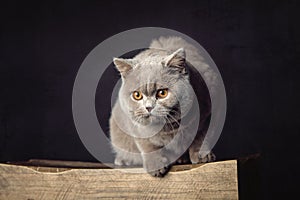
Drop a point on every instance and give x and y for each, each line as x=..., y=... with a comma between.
x=123, y=65
x=176, y=61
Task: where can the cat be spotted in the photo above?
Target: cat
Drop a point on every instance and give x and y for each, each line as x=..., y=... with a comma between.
x=157, y=108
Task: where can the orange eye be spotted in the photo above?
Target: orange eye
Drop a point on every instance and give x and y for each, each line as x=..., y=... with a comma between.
x=137, y=95
x=163, y=93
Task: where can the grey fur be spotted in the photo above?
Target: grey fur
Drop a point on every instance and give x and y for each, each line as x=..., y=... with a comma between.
x=156, y=138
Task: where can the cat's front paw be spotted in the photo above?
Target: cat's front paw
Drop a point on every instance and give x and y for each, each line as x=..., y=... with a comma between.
x=160, y=172
x=210, y=157
x=196, y=157
x=157, y=165
x=122, y=162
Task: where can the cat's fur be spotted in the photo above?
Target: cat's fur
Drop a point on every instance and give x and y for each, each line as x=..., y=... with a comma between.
x=157, y=138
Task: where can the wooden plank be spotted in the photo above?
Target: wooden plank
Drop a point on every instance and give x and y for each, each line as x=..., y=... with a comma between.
x=216, y=180
x=61, y=164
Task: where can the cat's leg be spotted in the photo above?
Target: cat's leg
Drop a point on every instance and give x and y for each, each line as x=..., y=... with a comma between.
x=200, y=157
x=126, y=151
x=124, y=158
x=197, y=157
x=154, y=162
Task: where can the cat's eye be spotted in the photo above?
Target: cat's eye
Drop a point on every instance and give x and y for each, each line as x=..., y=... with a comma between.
x=137, y=95
x=163, y=93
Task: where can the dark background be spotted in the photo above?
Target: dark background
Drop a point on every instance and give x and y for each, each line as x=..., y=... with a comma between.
x=255, y=44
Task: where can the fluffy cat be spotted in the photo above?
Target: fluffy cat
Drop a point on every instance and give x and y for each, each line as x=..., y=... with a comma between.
x=153, y=119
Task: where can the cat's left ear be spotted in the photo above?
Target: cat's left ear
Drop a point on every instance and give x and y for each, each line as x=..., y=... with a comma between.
x=124, y=66
x=176, y=60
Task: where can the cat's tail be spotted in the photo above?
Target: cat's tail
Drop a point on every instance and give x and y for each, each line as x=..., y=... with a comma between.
x=172, y=43
x=193, y=56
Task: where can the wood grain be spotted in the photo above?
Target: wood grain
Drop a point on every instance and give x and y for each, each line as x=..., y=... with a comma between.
x=216, y=180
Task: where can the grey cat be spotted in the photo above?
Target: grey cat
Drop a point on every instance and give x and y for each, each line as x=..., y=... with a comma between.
x=154, y=119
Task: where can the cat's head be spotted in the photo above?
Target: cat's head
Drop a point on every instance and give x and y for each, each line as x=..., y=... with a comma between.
x=155, y=86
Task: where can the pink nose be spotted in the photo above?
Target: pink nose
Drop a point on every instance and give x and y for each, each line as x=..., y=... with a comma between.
x=149, y=109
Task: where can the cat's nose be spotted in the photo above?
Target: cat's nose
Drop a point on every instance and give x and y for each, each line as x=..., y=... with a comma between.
x=149, y=109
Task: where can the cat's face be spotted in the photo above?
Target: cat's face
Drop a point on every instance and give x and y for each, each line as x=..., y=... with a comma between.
x=153, y=92
x=151, y=101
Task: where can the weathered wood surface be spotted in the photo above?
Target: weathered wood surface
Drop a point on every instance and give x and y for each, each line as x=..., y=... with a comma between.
x=216, y=180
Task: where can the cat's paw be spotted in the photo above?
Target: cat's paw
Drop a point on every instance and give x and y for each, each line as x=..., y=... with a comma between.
x=157, y=165
x=196, y=157
x=210, y=157
x=122, y=162
x=160, y=172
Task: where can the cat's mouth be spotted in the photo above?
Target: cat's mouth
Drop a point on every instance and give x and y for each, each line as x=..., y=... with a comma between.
x=150, y=116
x=149, y=119
x=147, y=115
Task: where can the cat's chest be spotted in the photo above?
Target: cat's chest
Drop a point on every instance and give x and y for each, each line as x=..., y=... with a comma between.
x=163, y=138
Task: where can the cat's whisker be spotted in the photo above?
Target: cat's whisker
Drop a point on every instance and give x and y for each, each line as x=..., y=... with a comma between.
x=173, y=118
x=169, y=122
x=171, y=111
x=181, y=135
x=136, y=121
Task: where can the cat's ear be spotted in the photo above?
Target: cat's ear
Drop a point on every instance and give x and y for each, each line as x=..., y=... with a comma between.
x=123, y=65
x=176, y=60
